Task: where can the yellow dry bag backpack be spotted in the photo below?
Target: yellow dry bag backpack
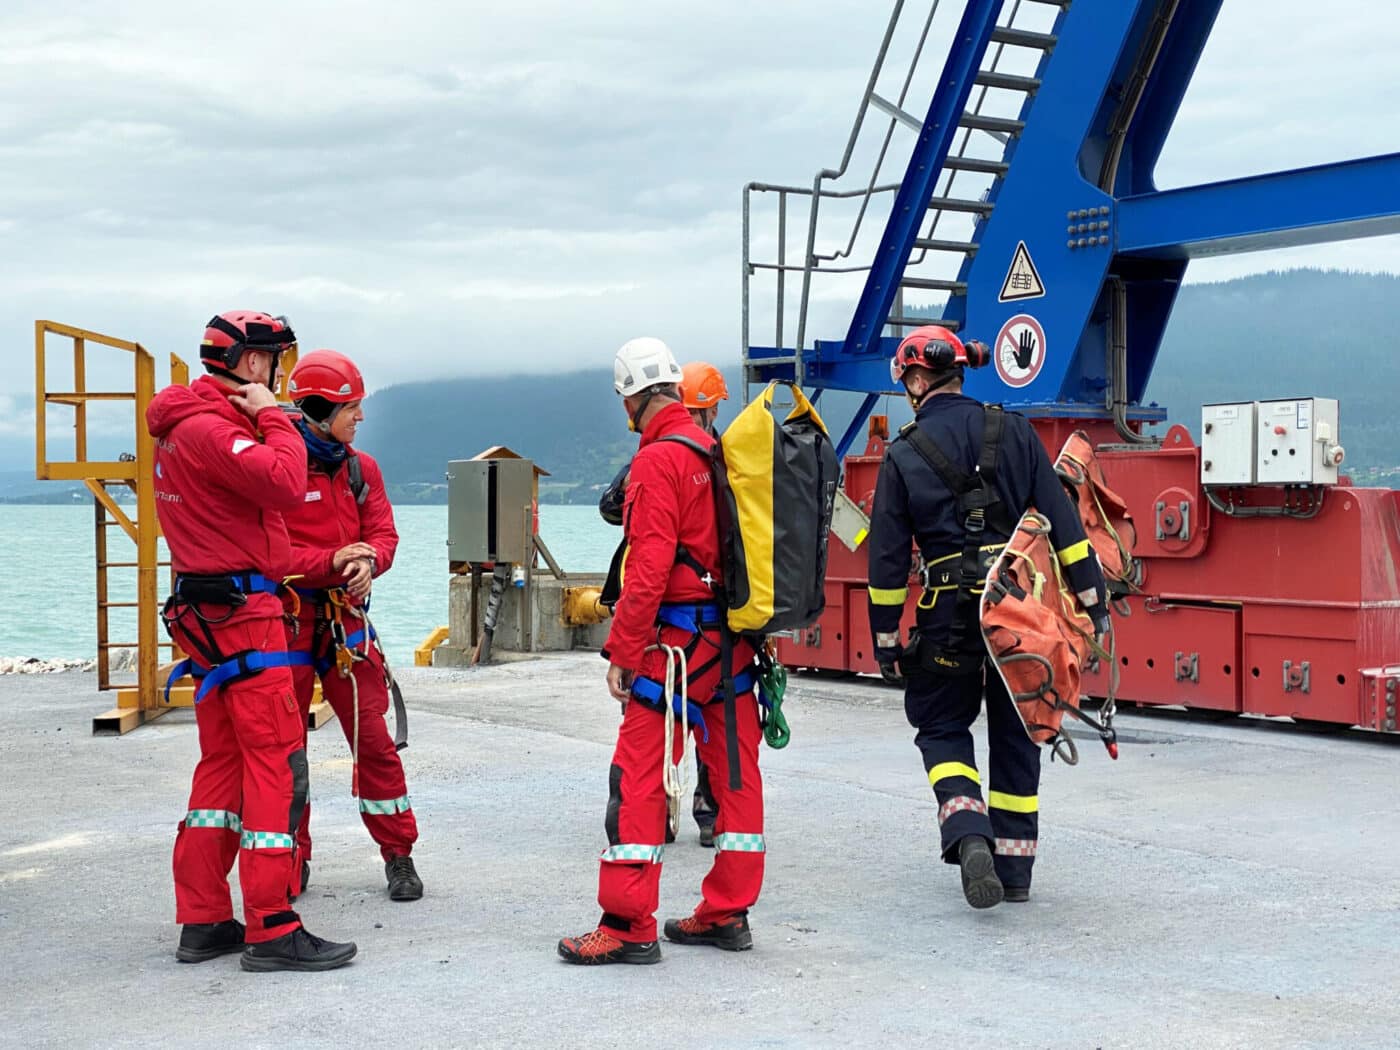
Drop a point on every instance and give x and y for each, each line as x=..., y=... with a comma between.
x=778, y=492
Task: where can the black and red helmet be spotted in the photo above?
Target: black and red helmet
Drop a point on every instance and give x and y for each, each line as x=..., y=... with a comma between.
x=937, y=349
x=230, y=334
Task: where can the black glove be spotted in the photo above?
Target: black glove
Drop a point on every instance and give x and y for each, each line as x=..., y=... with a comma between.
x=1102, y=623
x=888, y=659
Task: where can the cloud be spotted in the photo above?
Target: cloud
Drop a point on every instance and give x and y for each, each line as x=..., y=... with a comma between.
x=427, y=185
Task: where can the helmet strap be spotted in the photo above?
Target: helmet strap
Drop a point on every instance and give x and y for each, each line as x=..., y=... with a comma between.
x=937, y=385
x=635, y=423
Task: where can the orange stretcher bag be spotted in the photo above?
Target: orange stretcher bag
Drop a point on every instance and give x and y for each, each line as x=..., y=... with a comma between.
x=1039, y=637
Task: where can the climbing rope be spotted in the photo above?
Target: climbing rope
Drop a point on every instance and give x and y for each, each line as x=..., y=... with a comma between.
x=676, y=774
x=772, y=684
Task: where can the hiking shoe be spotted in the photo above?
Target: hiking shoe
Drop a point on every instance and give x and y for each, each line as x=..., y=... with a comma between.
x=201, y=941
x=707, y=836
x=730, y=933
x=1017, y=894
x=305, y=879
x=297, y=950
x=600, y=947
x=404, y=883
x=980, y=884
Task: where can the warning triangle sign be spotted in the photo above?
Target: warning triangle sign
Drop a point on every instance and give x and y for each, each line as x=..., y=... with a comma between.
x=1023, y=279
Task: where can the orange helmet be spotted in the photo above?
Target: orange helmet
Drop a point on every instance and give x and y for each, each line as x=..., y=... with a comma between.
x=937, y=349
x=702, y=385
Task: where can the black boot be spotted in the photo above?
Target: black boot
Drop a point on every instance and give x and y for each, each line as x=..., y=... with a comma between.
x=201, y=941
x=980, y=884
x=730, y=933
x=297, y=950
x=404, y=883
x=1017, y=894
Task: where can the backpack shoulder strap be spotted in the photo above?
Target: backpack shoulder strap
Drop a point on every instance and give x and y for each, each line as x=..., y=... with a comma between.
x=354, y=473
x=936, y=458
x=690, y=443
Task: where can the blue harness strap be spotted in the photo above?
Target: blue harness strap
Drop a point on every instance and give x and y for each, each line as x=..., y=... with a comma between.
x=690, y=616
x=357, y=639
x=241, y=666
x=653, y=694
x=247, y=583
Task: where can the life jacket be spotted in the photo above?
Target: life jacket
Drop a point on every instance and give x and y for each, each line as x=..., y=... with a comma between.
x=1038, y=635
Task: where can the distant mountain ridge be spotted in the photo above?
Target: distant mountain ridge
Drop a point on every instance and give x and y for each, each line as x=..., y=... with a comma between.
x=1272, y=335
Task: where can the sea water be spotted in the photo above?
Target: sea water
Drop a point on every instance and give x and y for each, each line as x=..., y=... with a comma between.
x=48, y=584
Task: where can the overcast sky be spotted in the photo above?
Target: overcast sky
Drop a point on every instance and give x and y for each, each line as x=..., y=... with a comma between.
x=449, y=187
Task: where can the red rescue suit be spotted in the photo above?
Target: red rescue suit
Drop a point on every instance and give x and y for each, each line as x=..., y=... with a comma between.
x=328, y=518
x=672, y=558
x=221, y=486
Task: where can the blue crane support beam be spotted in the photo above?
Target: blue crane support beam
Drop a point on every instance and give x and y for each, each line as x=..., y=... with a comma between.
x=916, y=190
x=1329, y=202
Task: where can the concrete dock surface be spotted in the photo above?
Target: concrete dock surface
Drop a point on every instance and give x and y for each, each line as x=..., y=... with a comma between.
x=1226, y=884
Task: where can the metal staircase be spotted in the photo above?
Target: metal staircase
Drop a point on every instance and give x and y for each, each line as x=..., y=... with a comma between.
x=961, y=150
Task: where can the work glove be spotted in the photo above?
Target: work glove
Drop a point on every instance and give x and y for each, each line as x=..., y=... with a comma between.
x=888, y=659
x=1102, y=623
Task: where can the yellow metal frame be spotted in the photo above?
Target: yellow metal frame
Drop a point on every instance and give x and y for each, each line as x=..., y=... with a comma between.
x=423, y=655
x=144, y=701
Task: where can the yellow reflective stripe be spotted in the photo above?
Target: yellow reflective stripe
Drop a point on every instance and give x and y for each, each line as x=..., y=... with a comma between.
x=860, y=536
x=1013, y=803
x=944, y=770
x=1075, y=552
x=889, y=595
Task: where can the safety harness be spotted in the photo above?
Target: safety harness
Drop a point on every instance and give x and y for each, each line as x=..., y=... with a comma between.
x=979, y=505
x=210, y=666
x=343, y=650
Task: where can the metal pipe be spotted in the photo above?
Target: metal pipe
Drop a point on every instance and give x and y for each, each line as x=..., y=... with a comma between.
x=744, y=301
x=782, y=261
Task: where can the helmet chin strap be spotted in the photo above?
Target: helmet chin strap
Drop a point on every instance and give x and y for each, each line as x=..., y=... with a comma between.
x=635, y=422
x=932, y=388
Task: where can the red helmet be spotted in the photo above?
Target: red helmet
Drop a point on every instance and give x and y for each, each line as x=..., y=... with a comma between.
x=228, y=335
x=326, y=374
x=937, y=349
x=702, y=385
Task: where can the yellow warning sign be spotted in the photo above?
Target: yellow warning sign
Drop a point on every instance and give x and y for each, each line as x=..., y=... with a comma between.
x=1022, y=279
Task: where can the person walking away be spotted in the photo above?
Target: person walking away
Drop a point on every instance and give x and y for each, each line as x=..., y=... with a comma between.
x=955, y=482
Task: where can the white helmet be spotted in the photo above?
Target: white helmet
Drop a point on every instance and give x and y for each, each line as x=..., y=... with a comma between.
x=644, y=362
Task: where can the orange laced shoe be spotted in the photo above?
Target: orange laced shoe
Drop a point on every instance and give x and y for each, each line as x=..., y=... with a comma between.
x=730, y=933
x=600, y=947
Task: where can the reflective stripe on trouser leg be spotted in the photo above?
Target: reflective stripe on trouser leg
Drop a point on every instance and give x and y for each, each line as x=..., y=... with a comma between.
x=1014, y=777
x=206, y=844
x=269, y=726
x=384, y=802
x=629, y=872
x=943, y=710
x=736, y=876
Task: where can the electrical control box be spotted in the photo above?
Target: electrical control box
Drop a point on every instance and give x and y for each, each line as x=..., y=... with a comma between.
x=490, y=510
x=1296, y=442
x=1228, y=434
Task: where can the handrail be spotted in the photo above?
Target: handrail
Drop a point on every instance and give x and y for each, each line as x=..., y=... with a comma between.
x=812, y=260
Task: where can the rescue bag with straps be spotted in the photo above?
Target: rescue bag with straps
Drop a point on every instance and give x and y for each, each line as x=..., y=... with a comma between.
x=979, y=506
x=1038, y=634
x=1107, y=522
x=210, y=666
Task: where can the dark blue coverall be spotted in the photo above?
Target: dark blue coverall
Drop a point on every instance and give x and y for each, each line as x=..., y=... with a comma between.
x=913, y=504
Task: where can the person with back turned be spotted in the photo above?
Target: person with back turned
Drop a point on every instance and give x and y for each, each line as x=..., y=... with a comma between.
x=668, y=619
x=228, y=463
x=955, y=482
